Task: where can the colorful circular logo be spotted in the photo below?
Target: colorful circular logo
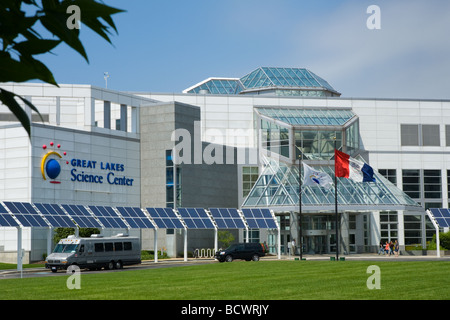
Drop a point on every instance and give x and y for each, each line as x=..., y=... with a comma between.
x=50, y=166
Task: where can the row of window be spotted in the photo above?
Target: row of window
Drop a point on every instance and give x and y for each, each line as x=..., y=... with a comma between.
x=425, y=135
x=421, y=185
x=112, y=246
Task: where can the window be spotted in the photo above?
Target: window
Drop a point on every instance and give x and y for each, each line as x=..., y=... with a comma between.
x=249, y=177
x=389, y=174
x=169, y=181
x=118, y=246
x=432, y=184
x=108, y=247
x=127, y=246
x=98, y=247
x=413, y=229
x=253, y=235
x=430, y=135
x=388, y=225
x=426, y=135
x=447, y=135
x=448, y=184
x=411, y=183
x=409, y=134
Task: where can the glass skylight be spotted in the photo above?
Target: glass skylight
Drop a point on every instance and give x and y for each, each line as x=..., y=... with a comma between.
x=284, y=77
x=277, y=187
x=306, y=117
x=217, y=86
x=282, y=81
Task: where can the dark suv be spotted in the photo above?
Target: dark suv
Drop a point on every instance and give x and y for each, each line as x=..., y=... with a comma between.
x=245, y=251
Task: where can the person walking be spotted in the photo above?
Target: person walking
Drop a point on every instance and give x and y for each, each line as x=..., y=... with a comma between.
x=386, y=248
x=396, y=248
x=381, y=248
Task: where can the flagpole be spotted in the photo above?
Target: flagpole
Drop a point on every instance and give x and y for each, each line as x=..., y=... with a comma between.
x=336, y=203
x=300, y=204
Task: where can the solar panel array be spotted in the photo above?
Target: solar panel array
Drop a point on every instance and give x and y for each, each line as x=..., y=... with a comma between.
x=135, y=218
x=6, y=220
x=227, y=218
x=55, y=215
x=259, y=218
x=442, y=217
x=195, y=218
x=26, y=214
x=165, y=218
x=81, y=216
x=15, y=214
x=108, y=217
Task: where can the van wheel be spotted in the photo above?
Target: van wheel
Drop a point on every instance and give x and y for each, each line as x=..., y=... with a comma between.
x=110, y=265
x=255, y=257
x=228, y=258
x=119, y=265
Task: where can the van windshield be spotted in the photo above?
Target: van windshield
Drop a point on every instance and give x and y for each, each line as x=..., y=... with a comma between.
x=65, y=248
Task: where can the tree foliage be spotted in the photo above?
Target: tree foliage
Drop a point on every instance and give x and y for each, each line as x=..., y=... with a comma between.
x=20, y=43
x=225, y=238
x=62, y=233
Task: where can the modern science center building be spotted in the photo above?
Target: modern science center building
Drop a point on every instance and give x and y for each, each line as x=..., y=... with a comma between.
x=104, y=158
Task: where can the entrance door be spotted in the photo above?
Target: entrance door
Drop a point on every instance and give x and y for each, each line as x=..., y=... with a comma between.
x=316, y=245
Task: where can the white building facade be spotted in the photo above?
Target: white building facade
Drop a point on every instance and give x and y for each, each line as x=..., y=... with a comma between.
x=112, y=149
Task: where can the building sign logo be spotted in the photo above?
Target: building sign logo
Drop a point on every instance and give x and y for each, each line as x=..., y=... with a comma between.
x=50, y=166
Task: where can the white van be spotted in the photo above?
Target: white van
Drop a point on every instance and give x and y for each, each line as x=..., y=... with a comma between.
x=95, y=253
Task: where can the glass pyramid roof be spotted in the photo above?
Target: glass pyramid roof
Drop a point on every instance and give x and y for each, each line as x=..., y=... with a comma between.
x=217, y=86
x=277, y=188
x=264, y=77
x=284, y=77
x=309, y=117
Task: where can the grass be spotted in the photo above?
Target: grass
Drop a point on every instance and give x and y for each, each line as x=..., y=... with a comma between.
x=9, y=266
x=240, y=280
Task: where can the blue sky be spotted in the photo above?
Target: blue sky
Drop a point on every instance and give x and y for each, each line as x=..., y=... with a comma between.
x=167, y=46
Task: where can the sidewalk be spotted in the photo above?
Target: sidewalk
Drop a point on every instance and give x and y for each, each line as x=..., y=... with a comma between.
x=357, y=256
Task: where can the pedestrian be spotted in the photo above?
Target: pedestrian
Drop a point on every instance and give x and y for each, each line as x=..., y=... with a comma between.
x=391, y=248
x=396, y=248
x=386, y=248
x=381, y=248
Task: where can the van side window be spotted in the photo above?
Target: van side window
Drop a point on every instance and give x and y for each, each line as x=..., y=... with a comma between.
x=81, y=249
x=118, y=246
x=108, y=246
x=127, y=246
x=99, y=247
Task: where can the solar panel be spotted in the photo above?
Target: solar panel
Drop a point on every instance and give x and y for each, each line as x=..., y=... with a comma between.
x=6, y=220
x=259, y=218
x=135, y=218
x=165, y=218
x=227, y=218
x=81, y=216
x=442, y=217
x=55, y=215
x=26, y=214
x=108, y=217
x=196, y=218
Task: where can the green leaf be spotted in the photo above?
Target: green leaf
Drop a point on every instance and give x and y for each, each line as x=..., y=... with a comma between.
x=8, y=99
x=36, y=46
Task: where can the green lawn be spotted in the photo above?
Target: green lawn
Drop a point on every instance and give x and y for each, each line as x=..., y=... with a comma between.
x=240, y=280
